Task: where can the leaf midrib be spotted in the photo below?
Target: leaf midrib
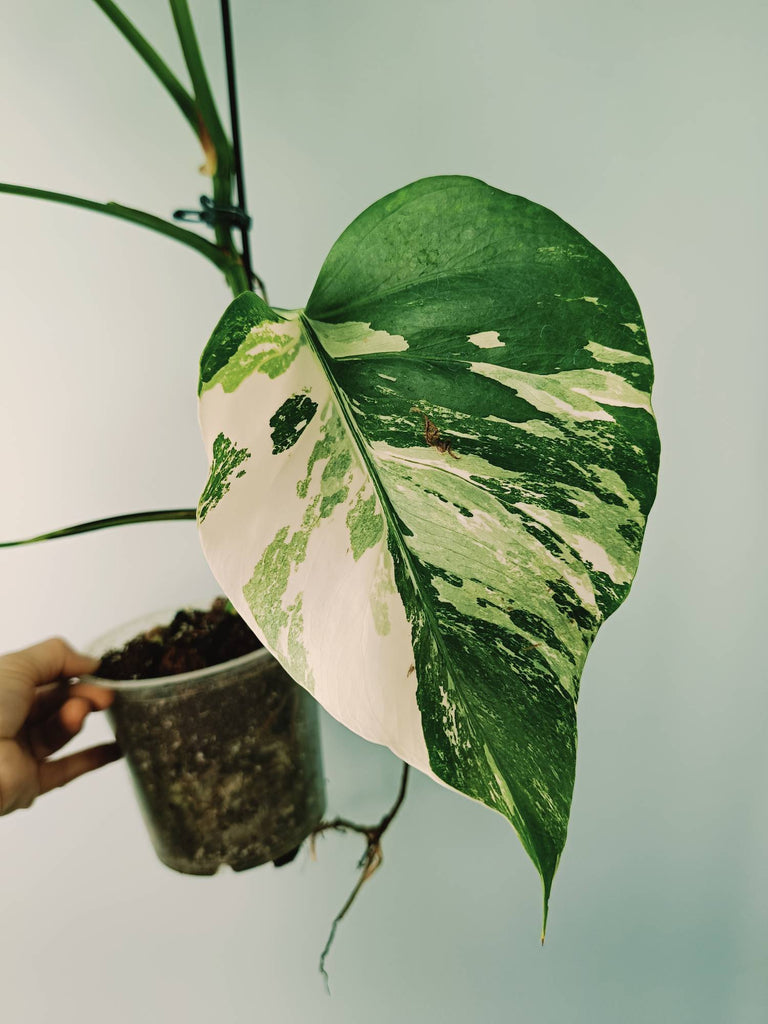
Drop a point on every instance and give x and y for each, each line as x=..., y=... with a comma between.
x=359, y=443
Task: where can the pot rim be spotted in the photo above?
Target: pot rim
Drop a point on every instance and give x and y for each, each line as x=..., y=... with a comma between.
x=130, y=629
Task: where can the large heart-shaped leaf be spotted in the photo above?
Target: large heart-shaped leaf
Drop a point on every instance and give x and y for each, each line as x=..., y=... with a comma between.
x=429, y=487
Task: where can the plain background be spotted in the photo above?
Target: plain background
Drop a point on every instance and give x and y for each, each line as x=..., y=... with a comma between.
x=641, y=124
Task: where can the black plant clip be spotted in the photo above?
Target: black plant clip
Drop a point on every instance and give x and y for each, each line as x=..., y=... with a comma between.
x=213, y=215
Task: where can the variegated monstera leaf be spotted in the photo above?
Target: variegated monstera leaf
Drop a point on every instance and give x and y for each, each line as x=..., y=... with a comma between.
x=429, y=487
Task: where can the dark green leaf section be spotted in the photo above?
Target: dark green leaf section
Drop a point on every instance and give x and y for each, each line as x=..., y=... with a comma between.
x=243, y=314
x=290, y=421
x=533, y=738
x=227, y=458
x=462, y=257
x=552, y=459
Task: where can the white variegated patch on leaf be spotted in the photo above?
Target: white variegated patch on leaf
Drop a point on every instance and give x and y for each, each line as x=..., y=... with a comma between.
x=429, y=487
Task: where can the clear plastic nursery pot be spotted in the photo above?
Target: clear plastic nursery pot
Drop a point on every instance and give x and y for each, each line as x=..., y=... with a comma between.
x=225, y=760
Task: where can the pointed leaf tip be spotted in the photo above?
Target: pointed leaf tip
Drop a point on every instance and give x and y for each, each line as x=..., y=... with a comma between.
x=547, y=890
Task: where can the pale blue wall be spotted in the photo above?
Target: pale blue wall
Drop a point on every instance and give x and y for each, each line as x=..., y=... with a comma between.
x=643, y=125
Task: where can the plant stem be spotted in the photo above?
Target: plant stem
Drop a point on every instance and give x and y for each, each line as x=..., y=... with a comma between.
x=227, y=262
x=222, y=162
x=237, y=150
x=154, y=62
x=202, y=115
x=206, y=104
x=168, y=515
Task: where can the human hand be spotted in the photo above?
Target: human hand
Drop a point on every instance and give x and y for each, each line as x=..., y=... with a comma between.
x=40, y=711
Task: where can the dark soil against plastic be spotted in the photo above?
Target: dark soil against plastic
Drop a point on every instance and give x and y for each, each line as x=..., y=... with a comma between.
x=195, y=639
x=228, y=769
